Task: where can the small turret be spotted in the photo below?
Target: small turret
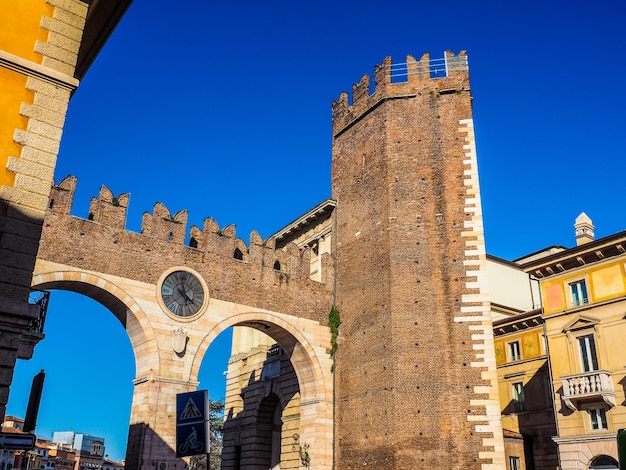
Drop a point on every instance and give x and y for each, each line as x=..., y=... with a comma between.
x=584, y=229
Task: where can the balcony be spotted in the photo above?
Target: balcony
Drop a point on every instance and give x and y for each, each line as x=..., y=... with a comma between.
x=33, y=333
x=588, y=387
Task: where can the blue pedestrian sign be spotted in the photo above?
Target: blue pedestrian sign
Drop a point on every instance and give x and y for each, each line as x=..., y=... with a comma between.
x=192, y=421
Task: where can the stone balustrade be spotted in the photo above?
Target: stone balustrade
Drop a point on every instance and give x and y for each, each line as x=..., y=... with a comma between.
x=586, y=386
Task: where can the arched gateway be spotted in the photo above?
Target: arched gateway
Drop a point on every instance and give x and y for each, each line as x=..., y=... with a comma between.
x=174, y=300
x=415, y=383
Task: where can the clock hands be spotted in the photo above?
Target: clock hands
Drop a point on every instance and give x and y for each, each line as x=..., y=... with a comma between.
x=183, y=293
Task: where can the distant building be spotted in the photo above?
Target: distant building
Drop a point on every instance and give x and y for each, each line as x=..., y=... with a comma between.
x=112, y=464
x=89, y=449
x=61, y=457
x=13, y=422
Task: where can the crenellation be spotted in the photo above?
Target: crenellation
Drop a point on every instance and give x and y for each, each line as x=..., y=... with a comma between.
x=161, y=224
x=360, y=93
x=62, y=196
x=108, y=209
x=396, y=81
x=197, y=238
x=230, y=231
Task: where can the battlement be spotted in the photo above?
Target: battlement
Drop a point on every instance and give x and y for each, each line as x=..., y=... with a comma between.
x=449, y=74
x=161, y=226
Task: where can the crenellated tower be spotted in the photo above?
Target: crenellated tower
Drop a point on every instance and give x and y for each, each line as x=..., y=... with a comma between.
x=415, y=368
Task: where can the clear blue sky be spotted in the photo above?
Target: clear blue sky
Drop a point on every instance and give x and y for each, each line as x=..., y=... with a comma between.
x=223, y=108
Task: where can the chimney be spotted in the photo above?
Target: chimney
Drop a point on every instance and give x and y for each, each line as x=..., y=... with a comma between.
x=584, y=229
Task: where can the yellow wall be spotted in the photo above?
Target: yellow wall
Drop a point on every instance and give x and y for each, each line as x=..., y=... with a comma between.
x=18, y=35
x=530, y=346
x=606, y=321
x=603, y=283
x=13, y=95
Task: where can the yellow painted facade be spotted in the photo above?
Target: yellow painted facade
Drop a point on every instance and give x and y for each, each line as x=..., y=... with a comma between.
x=10, y=102
x=604, y=282
x=584, y=315
x=523, y=386
x=18, y=37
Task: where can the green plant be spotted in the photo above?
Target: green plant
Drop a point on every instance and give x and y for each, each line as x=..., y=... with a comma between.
x=304, y=455
x=334, y=320
x=115, y=201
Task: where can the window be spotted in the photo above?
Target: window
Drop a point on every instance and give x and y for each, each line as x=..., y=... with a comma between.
x=597, y=418
x=518, y=396
x=588, y=357
x=514, y=351
x=578, y=291
x=514, y=463
x=271, y=367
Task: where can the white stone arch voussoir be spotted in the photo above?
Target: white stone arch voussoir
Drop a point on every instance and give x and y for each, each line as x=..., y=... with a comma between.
x=116, y=300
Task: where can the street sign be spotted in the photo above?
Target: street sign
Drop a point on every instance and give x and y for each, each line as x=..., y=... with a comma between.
x=14, y=441
x=192, y=417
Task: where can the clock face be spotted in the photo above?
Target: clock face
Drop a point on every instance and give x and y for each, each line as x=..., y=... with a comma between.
x=182, y=293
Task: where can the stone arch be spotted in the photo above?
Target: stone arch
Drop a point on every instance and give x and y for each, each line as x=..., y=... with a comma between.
x=115, y=299
x=306, y=345
x=303, y=356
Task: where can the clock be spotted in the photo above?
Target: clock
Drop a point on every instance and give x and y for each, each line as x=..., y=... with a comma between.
x=182, y=293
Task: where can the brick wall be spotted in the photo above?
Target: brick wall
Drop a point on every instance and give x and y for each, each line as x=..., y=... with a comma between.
x=415, y=379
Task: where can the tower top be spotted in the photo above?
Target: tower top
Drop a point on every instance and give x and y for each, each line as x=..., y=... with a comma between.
x=584, y=229
x=449, y=74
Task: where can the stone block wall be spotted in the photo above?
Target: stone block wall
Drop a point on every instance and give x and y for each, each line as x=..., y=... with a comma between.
x=38, y=54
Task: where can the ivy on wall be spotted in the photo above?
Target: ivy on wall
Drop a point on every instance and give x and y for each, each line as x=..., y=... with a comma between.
x=334, y=320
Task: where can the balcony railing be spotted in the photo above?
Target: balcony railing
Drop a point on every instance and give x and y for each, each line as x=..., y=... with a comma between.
x=587, y=386
x=41, y=298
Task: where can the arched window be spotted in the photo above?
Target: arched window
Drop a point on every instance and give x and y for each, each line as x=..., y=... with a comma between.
x=238, y=254
x=603, y=462
x=277, y=265
x=193, y=243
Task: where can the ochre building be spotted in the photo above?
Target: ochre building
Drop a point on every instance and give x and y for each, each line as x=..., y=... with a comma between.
x=46, y=46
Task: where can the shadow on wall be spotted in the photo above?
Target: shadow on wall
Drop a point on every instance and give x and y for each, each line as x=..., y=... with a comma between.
x=266, y=431
x=146, y=450
x=536, y=421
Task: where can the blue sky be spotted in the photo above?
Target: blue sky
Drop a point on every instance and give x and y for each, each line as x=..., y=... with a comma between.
x=223, y=109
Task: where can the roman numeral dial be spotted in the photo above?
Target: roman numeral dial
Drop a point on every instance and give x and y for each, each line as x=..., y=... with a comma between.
x=182, y=293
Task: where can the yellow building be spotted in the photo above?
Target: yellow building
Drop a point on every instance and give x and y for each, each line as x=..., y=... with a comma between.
x=46, y=46
x=584, y=311
x=523, y=385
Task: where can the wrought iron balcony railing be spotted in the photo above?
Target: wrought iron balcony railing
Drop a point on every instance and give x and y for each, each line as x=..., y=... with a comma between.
x=41, y=298
x=587, y=386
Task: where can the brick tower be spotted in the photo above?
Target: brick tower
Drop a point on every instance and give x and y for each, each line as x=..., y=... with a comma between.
x=415, y=369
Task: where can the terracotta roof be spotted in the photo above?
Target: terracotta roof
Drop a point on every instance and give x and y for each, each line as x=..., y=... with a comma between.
x=11, y=429
x=13, y=418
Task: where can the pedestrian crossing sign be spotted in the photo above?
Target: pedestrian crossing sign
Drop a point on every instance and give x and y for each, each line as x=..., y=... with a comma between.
x=192, y=422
